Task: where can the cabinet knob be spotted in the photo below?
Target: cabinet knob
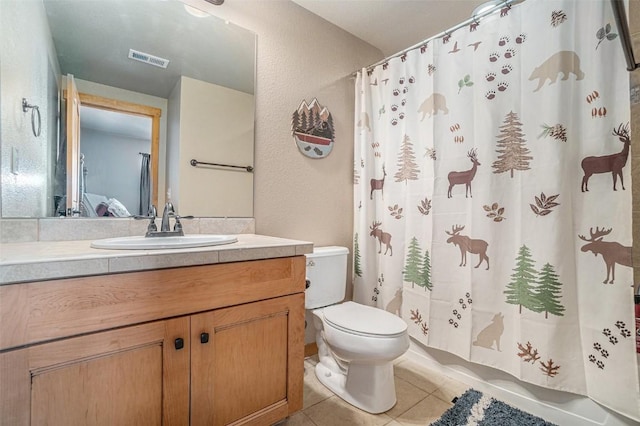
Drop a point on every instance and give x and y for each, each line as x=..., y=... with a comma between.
x=204, y=337
x=179, y=343
x=307, y=283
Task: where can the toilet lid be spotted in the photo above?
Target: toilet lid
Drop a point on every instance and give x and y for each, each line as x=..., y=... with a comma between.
x=360, y=319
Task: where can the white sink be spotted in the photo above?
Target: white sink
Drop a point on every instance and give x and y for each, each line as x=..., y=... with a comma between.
x=155, y=243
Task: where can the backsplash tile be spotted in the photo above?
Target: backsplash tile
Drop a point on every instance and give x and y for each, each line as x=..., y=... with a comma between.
x=212, y=225
x=18, y=230
x=191, y=226
x=139, y=226
x=69, y=229
x=64, y=229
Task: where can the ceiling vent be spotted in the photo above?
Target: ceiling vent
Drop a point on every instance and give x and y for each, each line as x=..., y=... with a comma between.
x=148, y=59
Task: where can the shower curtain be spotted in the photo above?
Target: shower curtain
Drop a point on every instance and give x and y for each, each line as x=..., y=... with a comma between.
x=493, y=197
x=145, y=185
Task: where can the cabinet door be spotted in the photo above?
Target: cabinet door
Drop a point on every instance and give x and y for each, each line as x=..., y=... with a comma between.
x=247, y=362
x=130, y=376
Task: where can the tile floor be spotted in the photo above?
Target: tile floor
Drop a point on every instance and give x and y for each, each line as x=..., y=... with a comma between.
x=423, y=396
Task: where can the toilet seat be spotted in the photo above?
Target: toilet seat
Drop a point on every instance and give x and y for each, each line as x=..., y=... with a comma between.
x=363, y=320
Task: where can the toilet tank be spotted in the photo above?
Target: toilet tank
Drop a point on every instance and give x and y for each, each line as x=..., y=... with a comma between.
x=327, y=275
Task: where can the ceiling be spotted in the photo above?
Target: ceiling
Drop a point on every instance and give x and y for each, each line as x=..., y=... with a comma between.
x=392, y=25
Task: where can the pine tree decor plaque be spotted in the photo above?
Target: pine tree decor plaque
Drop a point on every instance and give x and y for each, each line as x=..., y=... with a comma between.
x=312, y=127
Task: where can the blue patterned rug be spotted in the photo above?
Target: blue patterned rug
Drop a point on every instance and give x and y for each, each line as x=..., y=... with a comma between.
x=475, y=409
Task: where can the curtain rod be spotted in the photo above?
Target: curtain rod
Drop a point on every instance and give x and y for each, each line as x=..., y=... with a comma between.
x=625, y=38
x=474, y=18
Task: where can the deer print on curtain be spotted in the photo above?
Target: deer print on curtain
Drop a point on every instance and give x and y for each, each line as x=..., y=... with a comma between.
x=465, y=177
x=527, y=115
x=613, y=163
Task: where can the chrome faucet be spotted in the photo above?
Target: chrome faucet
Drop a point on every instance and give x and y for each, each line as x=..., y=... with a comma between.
x=165, y=226
x=166, y=214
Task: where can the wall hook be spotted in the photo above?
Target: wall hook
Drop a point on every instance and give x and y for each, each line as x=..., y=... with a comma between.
x=34, y=111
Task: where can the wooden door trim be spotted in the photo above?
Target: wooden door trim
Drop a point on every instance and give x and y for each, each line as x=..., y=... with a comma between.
x=116, y=105
x=73, y=142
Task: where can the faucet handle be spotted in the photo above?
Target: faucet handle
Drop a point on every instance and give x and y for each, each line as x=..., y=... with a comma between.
x=152, y=213
x=177, y=227
x=152, y=219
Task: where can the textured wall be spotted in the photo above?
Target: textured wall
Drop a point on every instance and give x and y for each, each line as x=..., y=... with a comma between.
x=28, y=70
x=300, y=56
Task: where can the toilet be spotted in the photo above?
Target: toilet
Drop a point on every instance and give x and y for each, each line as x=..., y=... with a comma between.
x=356, y=343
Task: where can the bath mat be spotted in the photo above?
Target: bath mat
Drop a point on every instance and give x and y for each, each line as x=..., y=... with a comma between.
x=475, y=409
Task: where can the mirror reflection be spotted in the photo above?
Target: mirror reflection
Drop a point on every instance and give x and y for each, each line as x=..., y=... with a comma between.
x=115, y=159
x=185, y=77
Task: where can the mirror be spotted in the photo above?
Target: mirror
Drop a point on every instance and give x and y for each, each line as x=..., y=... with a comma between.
x=116, y=50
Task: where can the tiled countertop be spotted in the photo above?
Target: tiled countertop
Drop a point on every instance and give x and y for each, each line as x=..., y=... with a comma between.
x=33, y=261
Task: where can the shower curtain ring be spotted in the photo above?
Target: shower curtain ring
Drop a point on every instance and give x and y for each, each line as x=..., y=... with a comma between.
x=34, y=110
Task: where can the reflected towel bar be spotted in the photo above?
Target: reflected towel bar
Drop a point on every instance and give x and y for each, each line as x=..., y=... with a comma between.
x=35, y=115
x=196, y=163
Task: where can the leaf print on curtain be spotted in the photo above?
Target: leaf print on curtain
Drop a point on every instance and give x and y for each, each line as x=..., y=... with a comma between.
x=509, y=110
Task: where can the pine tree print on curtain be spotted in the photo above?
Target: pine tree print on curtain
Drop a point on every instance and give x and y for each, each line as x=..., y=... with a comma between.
x=533, y=290
x=417, y=269
x=530, y=118
x=512, y=151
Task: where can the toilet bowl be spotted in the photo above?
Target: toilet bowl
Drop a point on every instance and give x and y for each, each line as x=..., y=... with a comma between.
x=357, y=344
x=356, y=359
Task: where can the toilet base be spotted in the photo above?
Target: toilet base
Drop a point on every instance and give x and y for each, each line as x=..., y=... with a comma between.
x=369, y=387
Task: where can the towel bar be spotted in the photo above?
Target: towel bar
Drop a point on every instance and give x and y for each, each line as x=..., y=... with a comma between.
x=196, y=163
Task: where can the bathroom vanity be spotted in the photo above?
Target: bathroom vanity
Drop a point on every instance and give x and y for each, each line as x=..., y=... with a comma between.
x=217, y=340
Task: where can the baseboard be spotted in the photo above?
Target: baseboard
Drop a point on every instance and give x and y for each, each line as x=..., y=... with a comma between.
x=310, y=349
x=562, y=408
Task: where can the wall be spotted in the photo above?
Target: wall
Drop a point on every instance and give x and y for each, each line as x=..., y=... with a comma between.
x=28, y=69
x=300, y=56
x=216, y=126
x=113, y=165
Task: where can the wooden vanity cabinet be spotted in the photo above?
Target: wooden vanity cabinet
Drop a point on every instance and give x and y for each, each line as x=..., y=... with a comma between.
x=117, y=377
x=243, y=370
x=239, y=361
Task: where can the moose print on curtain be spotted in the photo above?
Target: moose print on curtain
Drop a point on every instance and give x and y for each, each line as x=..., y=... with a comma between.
x=493, y=197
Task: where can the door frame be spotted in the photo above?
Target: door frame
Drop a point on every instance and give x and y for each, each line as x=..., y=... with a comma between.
x=116, y=105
